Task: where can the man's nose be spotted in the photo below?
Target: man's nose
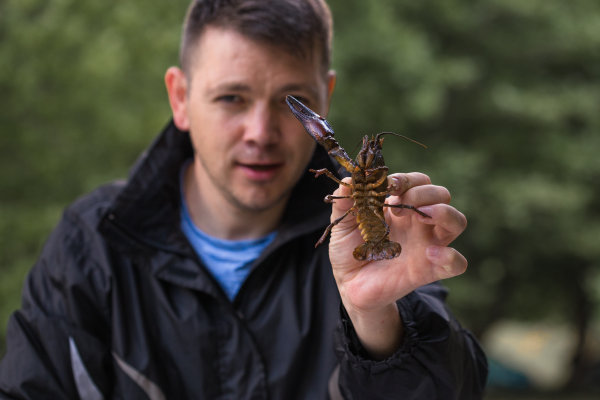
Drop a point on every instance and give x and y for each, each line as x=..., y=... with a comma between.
x=262, y=127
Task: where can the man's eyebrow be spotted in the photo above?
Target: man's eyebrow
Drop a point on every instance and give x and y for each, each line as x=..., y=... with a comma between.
x=242, y=87
x=295, y=87
x=229, y=87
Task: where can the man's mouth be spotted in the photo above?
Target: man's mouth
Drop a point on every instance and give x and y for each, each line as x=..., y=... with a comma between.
x=260, y=172
x=264, y=167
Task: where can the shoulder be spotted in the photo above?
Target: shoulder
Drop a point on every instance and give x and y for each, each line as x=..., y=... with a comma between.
x=73, y=264
x=75, y=248
x=90, y=208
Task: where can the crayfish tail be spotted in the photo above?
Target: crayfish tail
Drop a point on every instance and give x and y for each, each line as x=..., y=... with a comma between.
x=374, y=251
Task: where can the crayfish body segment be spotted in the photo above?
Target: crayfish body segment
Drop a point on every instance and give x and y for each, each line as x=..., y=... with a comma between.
x=369, y=187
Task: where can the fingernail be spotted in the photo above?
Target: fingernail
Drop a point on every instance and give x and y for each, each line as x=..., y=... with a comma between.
x=427, y=210
x=401, y=183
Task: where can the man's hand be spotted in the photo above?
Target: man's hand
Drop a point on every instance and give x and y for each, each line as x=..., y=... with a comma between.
x=369, y=290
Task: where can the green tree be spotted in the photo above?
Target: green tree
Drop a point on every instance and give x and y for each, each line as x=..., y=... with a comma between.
x=506, y=93
x=82, y=96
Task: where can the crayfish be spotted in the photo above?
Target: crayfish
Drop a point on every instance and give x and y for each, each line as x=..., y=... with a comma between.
x=369, y=185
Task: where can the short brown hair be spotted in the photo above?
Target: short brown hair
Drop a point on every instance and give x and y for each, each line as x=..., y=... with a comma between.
x=299, y=26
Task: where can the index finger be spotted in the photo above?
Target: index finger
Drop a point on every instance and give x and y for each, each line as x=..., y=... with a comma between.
x=399, y=183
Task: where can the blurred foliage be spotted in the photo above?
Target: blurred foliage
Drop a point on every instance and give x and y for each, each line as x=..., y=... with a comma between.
x=506, y=94
x=82, y=95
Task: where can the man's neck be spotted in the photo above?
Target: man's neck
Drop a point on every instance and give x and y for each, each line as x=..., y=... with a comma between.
x=218, y=217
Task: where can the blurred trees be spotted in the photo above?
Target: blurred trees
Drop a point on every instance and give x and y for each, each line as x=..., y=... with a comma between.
x=507, y=95
x=504, y=92
x=82, y=95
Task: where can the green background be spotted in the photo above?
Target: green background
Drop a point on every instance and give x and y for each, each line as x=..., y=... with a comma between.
x=504, y=92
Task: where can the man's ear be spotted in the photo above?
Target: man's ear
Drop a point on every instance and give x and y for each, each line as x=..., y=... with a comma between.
x=176, y=83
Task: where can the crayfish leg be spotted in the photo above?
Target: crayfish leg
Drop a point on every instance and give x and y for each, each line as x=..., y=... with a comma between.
x=377, y=183
x=329, y=174
x=330, y=226
x=387, y=227
x=415, y=209
x=329, y=198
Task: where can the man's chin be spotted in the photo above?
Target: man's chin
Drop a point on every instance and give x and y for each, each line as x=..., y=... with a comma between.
x=258, y=203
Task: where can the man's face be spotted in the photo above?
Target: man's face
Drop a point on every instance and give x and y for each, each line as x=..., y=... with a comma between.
x=250, y=150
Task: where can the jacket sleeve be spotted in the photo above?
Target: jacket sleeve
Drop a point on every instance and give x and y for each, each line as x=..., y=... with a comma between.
x=62, y=313
x=437, y=360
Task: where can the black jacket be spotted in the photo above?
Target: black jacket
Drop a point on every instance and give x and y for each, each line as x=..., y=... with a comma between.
x=119, y=306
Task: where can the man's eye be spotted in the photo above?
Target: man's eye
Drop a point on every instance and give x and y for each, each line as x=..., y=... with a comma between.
x=302, y=100
x=230, y=98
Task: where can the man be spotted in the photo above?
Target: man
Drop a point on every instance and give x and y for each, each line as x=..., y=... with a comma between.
x=197, y=278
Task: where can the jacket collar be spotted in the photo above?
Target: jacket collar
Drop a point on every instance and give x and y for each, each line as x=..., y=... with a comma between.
x=147, y=209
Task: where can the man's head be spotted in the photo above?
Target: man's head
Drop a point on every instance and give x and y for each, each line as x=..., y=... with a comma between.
x=297, y=26
x=240, y=59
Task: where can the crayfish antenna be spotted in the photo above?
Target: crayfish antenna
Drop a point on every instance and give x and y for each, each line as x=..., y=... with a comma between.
x=402, y=136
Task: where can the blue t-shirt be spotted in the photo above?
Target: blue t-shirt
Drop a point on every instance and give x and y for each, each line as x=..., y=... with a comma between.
x=229, y=261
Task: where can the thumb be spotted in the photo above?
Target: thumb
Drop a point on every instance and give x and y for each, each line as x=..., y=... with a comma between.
x=341, y=202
